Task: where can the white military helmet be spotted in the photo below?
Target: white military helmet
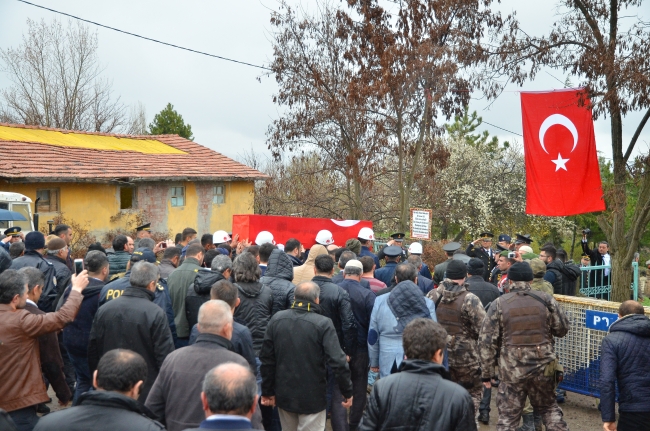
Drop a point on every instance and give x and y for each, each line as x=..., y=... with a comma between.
x=415, y=248
x=324, y=237
x=220, y=236
x=264, y=237
x=366, y=233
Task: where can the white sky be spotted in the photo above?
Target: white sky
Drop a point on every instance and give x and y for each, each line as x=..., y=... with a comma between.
x=228, y=109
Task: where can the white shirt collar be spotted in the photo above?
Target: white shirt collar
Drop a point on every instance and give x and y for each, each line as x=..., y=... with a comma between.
x=227, y=417
x=31, y=302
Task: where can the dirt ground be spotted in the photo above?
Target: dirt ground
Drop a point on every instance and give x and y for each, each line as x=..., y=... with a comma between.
x=580, y=412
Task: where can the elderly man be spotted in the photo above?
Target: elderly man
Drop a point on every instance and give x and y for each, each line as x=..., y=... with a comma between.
x=65, y=232
x=22, y=387
x=133, y=322
x=390, y=314
x=625, y=364
x=296, y=382
x=113, y=406
x=419, y=397
x=57, y=254
x=175, y=396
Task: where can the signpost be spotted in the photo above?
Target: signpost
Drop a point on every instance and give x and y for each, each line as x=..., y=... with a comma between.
x=599, y=320
x=421, y=223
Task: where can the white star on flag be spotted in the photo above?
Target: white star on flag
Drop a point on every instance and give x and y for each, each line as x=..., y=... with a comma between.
x=560, y=163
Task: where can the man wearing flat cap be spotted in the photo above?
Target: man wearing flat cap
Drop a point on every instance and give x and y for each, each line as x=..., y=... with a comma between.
x=439, y=270
x=481, y=248
x=517, y=336
x=461, y=313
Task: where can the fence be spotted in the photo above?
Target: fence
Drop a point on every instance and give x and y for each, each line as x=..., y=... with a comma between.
x=595, y=281
x=579, y=350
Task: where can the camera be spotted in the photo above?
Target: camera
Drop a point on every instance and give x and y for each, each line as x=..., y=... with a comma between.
x=512, y=255
x=586, y=231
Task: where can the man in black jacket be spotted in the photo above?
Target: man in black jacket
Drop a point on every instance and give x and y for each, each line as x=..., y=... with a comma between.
x=598, y=256
x=113, y=406
x=57, y=254
x=133, y=322
x=34, y=250
x=297, y=345
x=278, y=276
x=199, y=293
x=554, y=267
x=397, y=401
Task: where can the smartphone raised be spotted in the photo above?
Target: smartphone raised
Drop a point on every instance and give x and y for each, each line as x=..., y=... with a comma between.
x=78, y=266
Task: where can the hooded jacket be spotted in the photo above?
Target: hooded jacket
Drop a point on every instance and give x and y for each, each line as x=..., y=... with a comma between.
x=199, y=293
x=254, y=311
x=570, y=273
x=277, y=277
x=305, y=272
x=625, y=359
x=117, y=262
x=419, y=397
x=556, y=268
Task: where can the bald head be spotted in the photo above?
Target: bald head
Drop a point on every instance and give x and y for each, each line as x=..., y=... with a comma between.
x=229, y=389
x=630, y=307
x=307, y=291
x=215, y=317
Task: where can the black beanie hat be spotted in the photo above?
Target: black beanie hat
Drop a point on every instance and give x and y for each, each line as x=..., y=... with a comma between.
x=456, y=269
x=520, y=271
x=475, y=266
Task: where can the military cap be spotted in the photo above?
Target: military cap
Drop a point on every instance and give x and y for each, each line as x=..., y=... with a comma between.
x=529, y=256
x=505, y=238
x=146, y=226
x=13, y=231
x=393, y=251
x=500, y=248
x=487, y=235
x=462, y=257
x=399, y=236
x=523, y=239
x=504, y=253
x=451, y=246
x=143, y=253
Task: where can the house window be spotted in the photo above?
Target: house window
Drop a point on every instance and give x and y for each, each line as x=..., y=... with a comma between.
x=219, y=192
x=178, y=196
x=127, y=198
x=49, y=200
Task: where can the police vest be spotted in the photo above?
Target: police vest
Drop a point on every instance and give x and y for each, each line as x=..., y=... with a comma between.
x=524, y=319
x=448, y=314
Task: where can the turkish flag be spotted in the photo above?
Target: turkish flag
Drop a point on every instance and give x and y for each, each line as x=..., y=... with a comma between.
x=562, y=173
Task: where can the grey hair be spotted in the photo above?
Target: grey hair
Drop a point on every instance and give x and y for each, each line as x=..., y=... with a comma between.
x=245, y=268
x=353, y=270
x=54, y=252
x=214, y=315
x=415, y=260
x=307, y=291
x=230, y=389
x=221, y=263
x=147, y=242
x=143, y=273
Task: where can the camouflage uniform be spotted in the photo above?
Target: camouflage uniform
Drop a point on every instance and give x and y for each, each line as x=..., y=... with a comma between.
x=463, y=322
x=539, y=269
x=514, y=328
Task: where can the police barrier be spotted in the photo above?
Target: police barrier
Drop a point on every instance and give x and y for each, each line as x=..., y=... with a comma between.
x=579, y=350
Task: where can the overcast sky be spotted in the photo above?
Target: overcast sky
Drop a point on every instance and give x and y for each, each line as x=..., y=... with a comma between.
x=228, y=109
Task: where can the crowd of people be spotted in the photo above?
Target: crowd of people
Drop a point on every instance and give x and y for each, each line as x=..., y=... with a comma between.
x=213, y=333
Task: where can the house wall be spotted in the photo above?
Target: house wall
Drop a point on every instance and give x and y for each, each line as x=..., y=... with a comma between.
x=97, y=206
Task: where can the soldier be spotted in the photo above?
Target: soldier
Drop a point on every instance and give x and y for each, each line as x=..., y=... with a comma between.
x=143, y=231
x=397, y=241
x=461, y=313
x=386, y=273
x=482, y=249
x=504, y=242
x=504, y=263
x=12, y=235
x=539, y=270
x=522, y=240
x=439, y=270
x=519, y=330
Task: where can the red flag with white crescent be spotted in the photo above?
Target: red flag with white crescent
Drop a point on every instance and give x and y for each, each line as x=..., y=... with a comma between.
x=562, y=172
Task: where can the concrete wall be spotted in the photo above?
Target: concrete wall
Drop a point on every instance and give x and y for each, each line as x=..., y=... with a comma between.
x=94, y=205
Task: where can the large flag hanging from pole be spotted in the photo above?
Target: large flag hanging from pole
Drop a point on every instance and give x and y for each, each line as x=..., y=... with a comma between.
x=562, y=173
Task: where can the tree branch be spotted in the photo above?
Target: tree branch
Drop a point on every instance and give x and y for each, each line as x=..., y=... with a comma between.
x=637, y=133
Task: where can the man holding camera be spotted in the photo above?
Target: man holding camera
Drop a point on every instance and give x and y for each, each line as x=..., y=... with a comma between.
x=597, y=257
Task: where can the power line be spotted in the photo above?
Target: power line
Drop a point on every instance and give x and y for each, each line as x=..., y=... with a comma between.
x=146, y=38
x=506, y=130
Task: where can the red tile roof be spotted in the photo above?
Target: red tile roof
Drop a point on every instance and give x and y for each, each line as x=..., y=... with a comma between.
x=39, y=162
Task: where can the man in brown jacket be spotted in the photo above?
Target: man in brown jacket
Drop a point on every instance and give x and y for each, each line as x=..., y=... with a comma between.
x=21, y=385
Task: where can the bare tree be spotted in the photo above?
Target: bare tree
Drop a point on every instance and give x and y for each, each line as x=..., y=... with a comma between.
x=137, y=122
x=57, y=81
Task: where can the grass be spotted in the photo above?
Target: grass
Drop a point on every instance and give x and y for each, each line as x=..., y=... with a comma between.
x=646, y=302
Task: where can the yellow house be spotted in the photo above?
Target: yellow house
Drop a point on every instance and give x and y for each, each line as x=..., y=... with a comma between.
x=104, y=181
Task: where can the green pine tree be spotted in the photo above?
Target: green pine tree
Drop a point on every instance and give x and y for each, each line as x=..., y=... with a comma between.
x=170, y=122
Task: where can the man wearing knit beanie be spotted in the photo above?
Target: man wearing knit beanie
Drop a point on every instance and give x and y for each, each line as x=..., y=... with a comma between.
x=461, y=313
x=519, y=330
x=33, y=257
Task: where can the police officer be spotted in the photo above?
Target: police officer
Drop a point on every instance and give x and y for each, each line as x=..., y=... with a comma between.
x=142, y=231
x=115, y=288
x=397, y=241
x=519, y=330
x=439, y=269
x=386, y=273
x=482, y=249
x=12, y=235
x=461, y=313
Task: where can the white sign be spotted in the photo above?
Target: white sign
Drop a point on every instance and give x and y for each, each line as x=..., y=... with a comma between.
x=420, y=223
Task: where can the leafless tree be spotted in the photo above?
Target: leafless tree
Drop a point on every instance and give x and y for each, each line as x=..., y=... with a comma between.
x=137, y=121
x=56, y=81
